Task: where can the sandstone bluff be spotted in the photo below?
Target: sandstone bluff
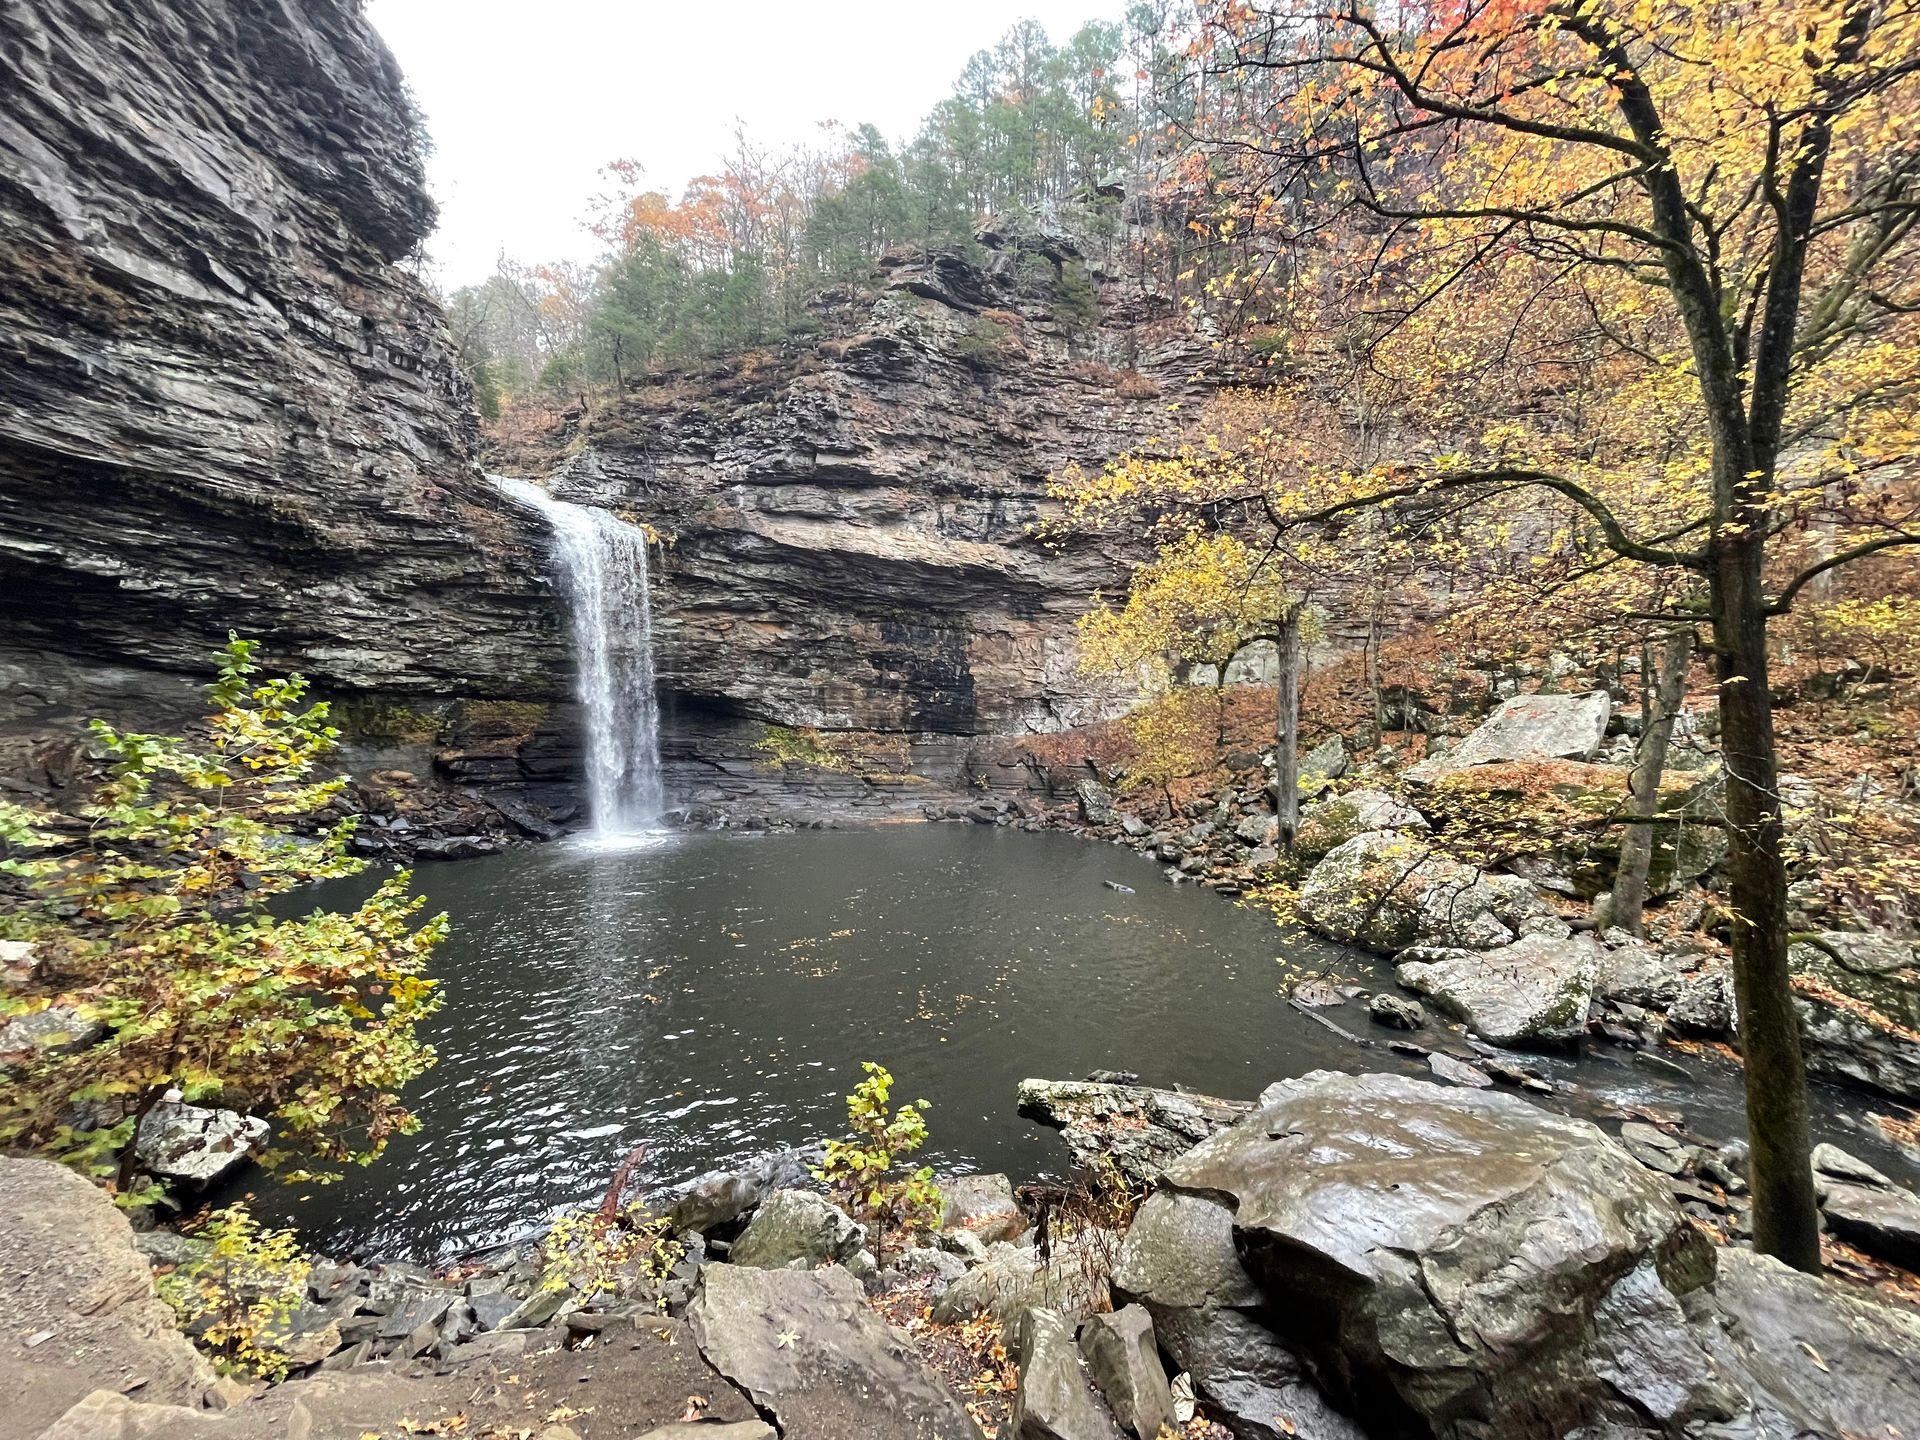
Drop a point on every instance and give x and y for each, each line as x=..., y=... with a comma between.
x=228, y=404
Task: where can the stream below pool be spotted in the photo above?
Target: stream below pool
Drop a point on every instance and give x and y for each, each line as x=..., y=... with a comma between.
x=712, y=996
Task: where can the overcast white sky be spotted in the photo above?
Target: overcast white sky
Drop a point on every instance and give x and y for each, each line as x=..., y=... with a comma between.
x=527, y=99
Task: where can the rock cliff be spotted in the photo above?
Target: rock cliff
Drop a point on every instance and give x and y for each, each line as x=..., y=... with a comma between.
x=226, y=403
x=223, y=402
x=848, y=524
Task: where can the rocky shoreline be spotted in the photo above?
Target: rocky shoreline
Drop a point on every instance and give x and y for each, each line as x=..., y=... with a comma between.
x=1346, y=1256
x=1513, y=952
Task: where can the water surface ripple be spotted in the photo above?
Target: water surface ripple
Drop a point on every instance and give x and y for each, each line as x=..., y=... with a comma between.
x=712, y=995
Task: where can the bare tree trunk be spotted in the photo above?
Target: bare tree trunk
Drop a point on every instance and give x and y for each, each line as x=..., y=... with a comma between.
x=1786, y=1217
x=1668, y=687
x=1286, y=755
x=1373, y=672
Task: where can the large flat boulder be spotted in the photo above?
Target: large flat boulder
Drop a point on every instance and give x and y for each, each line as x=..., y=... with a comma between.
x=1534, y=992
x=812, y=1355
x=1867, y=1209
x=194, y=1145
x=1387, y=890
x=1446, y=1258
x=1528, y=727
x=78, y=1304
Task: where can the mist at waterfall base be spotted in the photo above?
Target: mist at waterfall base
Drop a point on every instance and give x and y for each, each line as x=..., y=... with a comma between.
x=601, y=564
x=712, y=996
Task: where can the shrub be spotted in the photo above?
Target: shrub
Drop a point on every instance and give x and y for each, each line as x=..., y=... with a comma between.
x=984, y=343
x=155, y=929
x=782, y=745
x=620, y=1254
x=237, y=1298
x=1074, y=299
x=860, y=1169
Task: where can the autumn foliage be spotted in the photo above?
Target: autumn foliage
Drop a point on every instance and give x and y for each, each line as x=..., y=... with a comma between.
x=154, y=929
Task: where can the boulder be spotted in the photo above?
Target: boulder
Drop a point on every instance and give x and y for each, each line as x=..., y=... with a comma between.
x=1396, y=1012
x=1704, y=1003
x=1830, y=1162
x=1517, y=903
x=1257, y=831
x=17, y=963
x=1338, y=818
x=1138, y=1128
x=1528, y=727
x=1322, y=765
x=1866, y=1209
x=53, y=1030
x=1124, y=1361
x=719, y=1198
x=1179, y=1262
x=924, y=1265
x=1536, y=991
x=797, y=1230
x=1447, y=1258
x=1055, y=1400
x=193, y=1145
x=1859, y=999
x=1883, y=1220
x=1458, y=1072
x=1633, y=972
x=1815, y=1356
x=79, y=1304
x=1385, y=890
x=816, y=1360
x=983, y=1204
x=1095, y=801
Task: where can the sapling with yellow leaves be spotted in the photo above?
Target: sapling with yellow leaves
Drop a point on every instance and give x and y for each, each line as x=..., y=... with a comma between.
x=860, y=1169
x=154, y=928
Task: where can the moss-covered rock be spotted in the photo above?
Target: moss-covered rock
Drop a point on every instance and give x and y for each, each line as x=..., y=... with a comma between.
x=1386, y=890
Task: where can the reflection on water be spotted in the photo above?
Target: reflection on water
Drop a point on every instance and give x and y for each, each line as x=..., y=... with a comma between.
x=712, y=996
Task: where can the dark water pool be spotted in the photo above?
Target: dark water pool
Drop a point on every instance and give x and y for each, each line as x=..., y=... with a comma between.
x=712, y=996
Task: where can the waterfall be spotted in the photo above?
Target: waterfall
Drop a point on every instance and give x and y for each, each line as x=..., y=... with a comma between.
x=603, y=570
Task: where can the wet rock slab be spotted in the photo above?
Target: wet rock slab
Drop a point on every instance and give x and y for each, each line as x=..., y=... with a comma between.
x=812, y=1355
x=1439, y=1256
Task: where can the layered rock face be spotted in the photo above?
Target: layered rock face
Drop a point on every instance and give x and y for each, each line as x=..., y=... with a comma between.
x=849, y=525
x=223, y=404
x=226, y=405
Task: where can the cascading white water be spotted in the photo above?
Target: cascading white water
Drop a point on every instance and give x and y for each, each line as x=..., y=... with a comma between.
x=603, y=569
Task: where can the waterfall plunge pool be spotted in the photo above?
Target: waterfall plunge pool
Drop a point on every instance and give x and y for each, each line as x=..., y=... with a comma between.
x=712, y=996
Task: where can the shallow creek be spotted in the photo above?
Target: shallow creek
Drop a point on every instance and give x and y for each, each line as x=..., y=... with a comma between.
x=712, y=996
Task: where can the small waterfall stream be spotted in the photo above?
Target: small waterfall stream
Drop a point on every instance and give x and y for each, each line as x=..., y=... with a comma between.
x=602, y=562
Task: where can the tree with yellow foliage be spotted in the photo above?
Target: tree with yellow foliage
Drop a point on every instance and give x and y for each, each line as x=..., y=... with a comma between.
x=1650, y=262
